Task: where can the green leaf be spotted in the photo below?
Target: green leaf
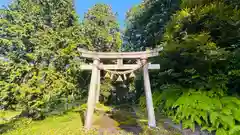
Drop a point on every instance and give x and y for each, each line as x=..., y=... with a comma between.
x=214, y=117
x=221, y=131
x=188, y=124
x=228, y=121
x=195, y=76
x=236, y=114
x=235, y=130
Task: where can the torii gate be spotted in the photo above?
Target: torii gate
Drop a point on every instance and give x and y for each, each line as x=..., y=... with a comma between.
x=94, y=89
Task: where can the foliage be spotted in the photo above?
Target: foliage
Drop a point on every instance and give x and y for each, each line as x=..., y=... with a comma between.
x=69, y=123
x=102, y=34
x=6, y=116
x=39, y=59
x=198, y=84
x=101, y=28
x=99, y=107
x=201, y=108
x=39, y=67
x=52, y=125
x=146, y=21
x=106, y=85
x=206, y=48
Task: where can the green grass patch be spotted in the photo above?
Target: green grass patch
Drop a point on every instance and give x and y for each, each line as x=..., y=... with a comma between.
x=6, y=116
x=69, y=124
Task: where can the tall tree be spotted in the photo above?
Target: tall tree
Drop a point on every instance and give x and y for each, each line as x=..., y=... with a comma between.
x=101, y=28
x=38, y=42
x=146, y=22
x=200, y=64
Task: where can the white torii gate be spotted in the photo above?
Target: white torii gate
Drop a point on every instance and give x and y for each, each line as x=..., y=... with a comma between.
x=94, y=89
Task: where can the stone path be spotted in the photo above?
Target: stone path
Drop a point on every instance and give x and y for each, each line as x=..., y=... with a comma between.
x=118, y=120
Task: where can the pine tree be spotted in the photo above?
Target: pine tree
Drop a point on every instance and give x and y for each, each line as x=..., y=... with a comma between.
x=38, y=45
x=101, y=28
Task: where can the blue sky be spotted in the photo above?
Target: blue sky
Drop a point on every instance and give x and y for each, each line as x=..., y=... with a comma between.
x=119, y=6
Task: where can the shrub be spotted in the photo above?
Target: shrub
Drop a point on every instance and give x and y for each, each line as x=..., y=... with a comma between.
x=211, y=111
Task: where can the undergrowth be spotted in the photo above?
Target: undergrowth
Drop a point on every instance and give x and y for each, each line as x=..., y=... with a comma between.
x=210, y=110
x=70, y=123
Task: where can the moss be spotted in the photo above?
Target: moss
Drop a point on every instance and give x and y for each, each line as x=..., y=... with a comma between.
x=56, y=125
x=8, y=115
x=105, y=122
x=157, y=131
x=124, y=118
x=71, y=124
x=98, y=108
x=103, y=108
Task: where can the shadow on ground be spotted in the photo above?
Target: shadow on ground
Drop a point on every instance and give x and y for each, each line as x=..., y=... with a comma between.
x=127, y=119
x=121, y=118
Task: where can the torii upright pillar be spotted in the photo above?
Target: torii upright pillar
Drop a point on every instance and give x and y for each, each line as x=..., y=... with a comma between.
x=92, y=94
x=148, y=94
x=98, y=86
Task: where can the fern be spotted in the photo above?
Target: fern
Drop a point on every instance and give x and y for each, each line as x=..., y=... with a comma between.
x=213, y=113
x=221, y=131
x=214, y=118
x=235, y=130
x=227, y=121
x=236, y=114
x=197, y=119
x=188, y=124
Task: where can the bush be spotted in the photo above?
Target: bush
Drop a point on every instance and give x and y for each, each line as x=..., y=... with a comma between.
x=37, y=92
x=210, y=111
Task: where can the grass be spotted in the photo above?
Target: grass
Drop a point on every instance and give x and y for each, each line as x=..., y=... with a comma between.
x=69, y=123
x=6, y=116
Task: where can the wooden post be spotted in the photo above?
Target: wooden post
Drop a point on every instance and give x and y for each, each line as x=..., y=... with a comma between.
x=148, y=94
x=119, y=62
x=92, y=95
x=98, y=86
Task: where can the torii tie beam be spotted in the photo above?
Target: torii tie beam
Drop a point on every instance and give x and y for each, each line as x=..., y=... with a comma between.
x=94, y=89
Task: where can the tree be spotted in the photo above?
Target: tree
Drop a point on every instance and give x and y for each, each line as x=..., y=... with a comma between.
x=101, y=28
x=102, y=32
x=38, y=45
x=146, y=22
x=200, y=74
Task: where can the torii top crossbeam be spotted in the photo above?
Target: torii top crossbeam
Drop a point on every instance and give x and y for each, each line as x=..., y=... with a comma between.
x=120, y=55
